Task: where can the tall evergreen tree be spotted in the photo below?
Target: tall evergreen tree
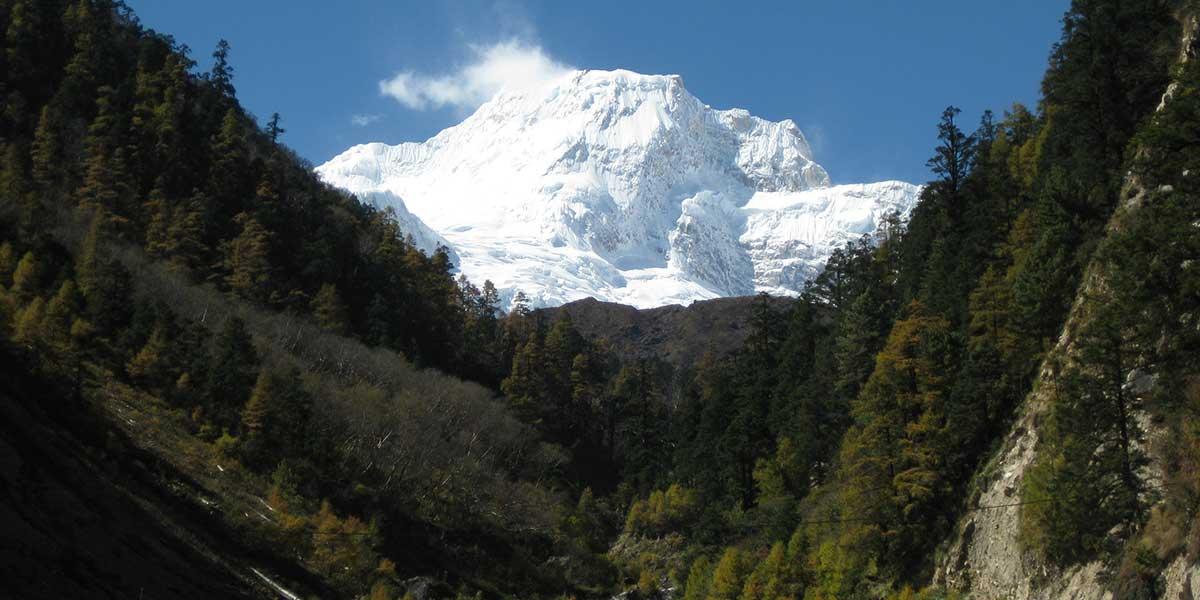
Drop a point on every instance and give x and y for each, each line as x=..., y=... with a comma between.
x=329, y=310
x=247, y=260
x=231, y=373
x=953, y=156
x=153, y=364
x=892, y=459
x=61, y=312
x=26, y=277
x=275, y=417
x=730, y=574
x=185, y=247
x=107, y=183
x=274, y=130
x=221, y=75
x=699, y=579
x=47, y=155
x=229, y=184
x=644, y=433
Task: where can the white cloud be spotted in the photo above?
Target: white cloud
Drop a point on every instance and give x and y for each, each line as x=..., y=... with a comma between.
x=363, y=120
x=507, y=65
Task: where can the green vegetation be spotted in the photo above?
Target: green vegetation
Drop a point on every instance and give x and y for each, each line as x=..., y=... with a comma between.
x=166, y=256
x=289, y=350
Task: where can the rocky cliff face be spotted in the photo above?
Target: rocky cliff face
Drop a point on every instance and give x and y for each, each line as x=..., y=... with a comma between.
x=622, y=187
x=985, y=558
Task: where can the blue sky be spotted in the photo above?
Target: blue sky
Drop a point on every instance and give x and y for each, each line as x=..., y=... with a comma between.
x=866, y=80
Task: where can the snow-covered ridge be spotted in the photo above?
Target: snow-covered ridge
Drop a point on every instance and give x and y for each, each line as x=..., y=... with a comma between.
x=619, y=186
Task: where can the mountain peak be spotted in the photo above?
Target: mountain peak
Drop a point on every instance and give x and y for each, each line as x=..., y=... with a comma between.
x=619, y=186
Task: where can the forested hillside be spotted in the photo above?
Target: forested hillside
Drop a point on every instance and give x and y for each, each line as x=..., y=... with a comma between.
x=832, y=456
x=355, y=421
x=198, y=289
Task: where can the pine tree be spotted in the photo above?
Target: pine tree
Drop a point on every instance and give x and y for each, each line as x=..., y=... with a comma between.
x=185, y=247
x=106, y=183
x=61, y=312
x=482, y=330
x=267, y=207
x=490, y=299
x=158, y=226
x=767, y=582
x=258, y=409
x=525, y=387
x=46, y=153
x=643, y=434
x=1045, y=272
x=22, y=46
x=1084, y=481
x=192, y=350
x=749, y=434
x=796, y=576
x=8, y=264
x=229, y=182
x=585, y=523
x=148, y=94
x=329, y=311
x=587, y=387
x=805, y=411
x=779, y=481
x=28, y=328
x=995, y=371
x=231, y=372
x=108, y=299
x=273, y=128
x=647, y=585
x=246, y=260
x=730, y=575
x=953, y=157
x=991, y=313
x=171, y=125
x=26, y=278
x=860, y=335
x=899, y=440
x=89, y=261
x=830, y=287
x=703, y=418
x=14, y=184
x=221, y=75
x=91, y=61
x=152, y=365
x=611, y=408
x=699, y=579
x=379, y=326
x=563, y=343
x=520, y=306
x=1106, y=73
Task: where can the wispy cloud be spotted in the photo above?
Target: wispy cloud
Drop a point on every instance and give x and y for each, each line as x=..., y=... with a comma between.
x=364, y=120
x=513, y=64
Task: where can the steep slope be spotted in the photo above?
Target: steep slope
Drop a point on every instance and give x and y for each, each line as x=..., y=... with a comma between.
x=170, y=494
x=87, y=514
x=623, y=187
x=986, y=557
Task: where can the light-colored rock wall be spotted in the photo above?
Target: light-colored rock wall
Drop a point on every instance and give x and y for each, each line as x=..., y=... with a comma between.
x=984, y=558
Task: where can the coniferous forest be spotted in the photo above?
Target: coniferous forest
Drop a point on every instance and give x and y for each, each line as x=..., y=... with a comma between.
x=278, y=378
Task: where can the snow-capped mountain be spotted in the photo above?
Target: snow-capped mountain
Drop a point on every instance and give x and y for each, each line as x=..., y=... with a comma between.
x=622, y=187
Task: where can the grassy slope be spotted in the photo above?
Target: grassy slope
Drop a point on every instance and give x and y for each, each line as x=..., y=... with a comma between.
x=86, y=513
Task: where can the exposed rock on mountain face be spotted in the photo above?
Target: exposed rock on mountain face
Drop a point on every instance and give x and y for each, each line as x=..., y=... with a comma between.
x=984, y=557
x=622, y=187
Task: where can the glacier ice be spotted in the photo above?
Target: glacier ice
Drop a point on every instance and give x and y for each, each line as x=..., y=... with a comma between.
x=619, y=186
